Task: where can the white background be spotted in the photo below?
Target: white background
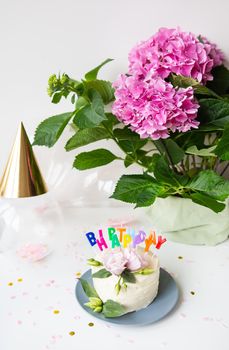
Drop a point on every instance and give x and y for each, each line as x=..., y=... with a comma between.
x=38, y=38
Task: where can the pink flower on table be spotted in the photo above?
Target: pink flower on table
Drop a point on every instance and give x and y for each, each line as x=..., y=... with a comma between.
x=153, y=108
x=33, y=251
x=174, y=51
x=117, y=260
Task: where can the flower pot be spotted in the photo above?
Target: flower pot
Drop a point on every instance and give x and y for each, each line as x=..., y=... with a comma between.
x=181, y=220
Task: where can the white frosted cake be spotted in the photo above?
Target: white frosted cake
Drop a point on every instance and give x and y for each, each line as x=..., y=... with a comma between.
x=127, y=276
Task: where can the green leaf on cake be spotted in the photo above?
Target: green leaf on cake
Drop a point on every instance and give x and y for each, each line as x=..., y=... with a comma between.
x=93, y=159
x=128, y=276
x=88, y=289
x=113, y=309
x=49, y=130
x=103, y=273
x=92, y=74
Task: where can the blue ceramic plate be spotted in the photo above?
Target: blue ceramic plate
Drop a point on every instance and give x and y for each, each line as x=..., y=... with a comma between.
x=165, y=301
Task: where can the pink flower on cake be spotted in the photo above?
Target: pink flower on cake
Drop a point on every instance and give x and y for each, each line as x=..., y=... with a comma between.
x=153, y=108
x=134, y=260
x=174, y=51
x=117, y=260
x=114, y=261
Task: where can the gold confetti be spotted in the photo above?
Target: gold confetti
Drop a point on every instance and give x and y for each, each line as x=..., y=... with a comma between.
x=193, y=293
x=10, y=284
x=180, y=257
x=90, y=324
x=56, y=312
x=19, y=279
x=71, y=333
x=78, y=274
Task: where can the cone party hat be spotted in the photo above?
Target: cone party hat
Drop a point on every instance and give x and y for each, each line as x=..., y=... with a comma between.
x=22, y=176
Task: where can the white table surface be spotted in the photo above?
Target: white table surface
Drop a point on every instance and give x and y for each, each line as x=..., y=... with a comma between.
x=199, y=321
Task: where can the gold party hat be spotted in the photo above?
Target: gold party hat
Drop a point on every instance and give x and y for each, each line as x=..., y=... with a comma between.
x=22, y=176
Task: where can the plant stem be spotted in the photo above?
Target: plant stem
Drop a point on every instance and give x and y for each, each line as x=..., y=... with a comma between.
x=224, y=170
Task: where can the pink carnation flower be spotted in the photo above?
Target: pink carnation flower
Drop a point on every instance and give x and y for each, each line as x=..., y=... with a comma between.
x=152, y=108
x=117, y=260
x=174, y=51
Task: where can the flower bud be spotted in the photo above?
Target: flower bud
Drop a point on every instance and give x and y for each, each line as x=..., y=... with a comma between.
x=117, y=288
x=98, y=309
x=95, y=301
x=93, y=262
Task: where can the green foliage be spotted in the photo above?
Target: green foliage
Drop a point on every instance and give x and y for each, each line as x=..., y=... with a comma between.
x=93, y=159
x=222, y=149
x=113, y=309
x=128, y=276
x=103, y=273
x=88, y=289
x=49, y=131
x=186, y=164
x=92, y=74
x=85, y=136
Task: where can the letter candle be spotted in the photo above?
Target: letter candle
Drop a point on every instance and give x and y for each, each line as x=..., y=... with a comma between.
x=125, y=237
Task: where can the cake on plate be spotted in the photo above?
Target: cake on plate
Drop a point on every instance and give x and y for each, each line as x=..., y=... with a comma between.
x=127, y=277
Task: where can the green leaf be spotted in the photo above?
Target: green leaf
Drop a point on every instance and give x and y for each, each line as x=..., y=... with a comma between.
x=132, y=188
x=128, y=161
x=128, y=276
x=204, y=152
x=211, y=184
x=222, y=149
x=113, y=309
x=184, y=82
x=57, y=97
x=176, y=153
x=93, y=159
x=92, y=74
x=86, y=136
x=91, y=114
x=207, y=201
x=103, y=87
x=103, y=273
x=88, y=289
x=49, y=131
x=214, y=111
x=220, y=82
x=126, y=134
x=163, y=173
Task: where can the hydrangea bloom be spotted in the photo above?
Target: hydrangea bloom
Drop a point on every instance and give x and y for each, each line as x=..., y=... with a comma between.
x=174, y=51
x=154, y=107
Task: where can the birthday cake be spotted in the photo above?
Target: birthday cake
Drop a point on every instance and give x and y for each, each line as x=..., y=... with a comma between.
x=125, y=275
x=133, y=277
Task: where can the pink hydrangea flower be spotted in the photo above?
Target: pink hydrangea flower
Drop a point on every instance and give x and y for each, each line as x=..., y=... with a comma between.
x=174, y=51
x=154, y=107
x=117, y=260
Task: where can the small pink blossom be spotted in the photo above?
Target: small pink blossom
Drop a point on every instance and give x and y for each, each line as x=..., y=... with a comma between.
x=117, y=260
x=153, y=108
